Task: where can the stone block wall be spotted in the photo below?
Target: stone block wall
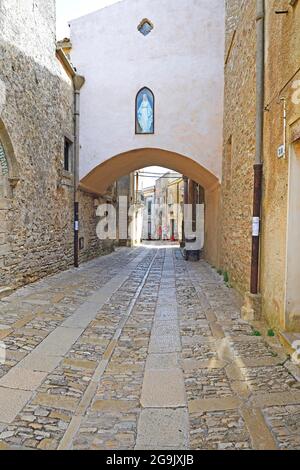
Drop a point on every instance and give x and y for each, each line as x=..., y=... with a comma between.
x=36, y=217
x=92, y=246
x=282, y=81
x=239, y=141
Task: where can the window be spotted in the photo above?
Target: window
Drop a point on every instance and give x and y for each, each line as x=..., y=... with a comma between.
x=145, y=27
x=144, y=112
x=68, y=155
x=228, y=163
x=81, y=243
x=9, y=168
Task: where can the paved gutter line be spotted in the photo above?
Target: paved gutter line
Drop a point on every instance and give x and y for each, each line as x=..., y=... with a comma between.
x=188, y=443
x=159, y=405
x=66, y=442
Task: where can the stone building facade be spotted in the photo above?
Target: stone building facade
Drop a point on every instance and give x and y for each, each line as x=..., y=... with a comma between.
x=36, y=115
x=239, y=141
x=163, y=209
x=280, y=275
x=182, y=65
x=37, y=120
x=280, y=234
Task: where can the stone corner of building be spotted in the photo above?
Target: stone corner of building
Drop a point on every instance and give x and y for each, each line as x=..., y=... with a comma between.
x=252, y=308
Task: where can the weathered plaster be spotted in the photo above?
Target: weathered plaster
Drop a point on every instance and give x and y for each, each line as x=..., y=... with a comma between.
x=181, y=61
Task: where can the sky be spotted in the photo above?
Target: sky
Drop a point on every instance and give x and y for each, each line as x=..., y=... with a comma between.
x=148, y=181
x=67, y=10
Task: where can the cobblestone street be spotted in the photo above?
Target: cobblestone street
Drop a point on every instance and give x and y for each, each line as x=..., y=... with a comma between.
x=141, y=350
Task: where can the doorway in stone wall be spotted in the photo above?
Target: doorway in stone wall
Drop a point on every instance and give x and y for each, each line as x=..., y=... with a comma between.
x=9, y=171
x=292, y=301
x=5, y=197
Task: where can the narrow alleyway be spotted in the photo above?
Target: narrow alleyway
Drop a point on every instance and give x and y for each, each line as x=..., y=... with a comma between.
x=141, y=350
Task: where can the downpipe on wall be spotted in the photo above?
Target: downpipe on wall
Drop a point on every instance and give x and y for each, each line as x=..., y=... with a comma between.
x=78, y=82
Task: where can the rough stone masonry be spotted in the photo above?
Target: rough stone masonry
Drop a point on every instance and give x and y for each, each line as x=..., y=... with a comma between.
x=36, y=194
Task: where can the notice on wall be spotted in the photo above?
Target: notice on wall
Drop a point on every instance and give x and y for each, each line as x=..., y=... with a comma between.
x=255, y=226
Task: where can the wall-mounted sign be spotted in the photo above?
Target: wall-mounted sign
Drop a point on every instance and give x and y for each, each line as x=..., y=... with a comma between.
x=281, y=151
x=255, y=226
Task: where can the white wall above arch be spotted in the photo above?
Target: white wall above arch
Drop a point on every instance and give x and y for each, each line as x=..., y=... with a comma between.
x=181, y=61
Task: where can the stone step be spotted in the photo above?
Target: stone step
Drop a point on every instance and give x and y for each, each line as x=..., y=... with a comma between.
x=289, y=340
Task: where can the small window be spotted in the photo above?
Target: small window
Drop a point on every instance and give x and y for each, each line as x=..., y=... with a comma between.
x=81, y=243
x=228, y=163
x=145, y=27
x=68, y=155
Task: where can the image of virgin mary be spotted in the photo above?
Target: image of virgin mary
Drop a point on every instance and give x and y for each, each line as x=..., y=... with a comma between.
x=145, y=115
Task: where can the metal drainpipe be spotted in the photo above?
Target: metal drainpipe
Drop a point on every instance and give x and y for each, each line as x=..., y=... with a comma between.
x=258, y=167
x=78, y=82
x=185, y=203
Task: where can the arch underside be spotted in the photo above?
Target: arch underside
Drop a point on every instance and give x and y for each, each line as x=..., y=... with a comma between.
x=3, y=161
x=8, y=163
x=102, y=176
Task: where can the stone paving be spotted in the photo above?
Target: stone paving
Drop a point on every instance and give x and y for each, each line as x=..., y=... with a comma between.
x=141, y=350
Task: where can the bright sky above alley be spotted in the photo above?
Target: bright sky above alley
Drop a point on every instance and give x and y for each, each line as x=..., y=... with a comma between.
x=69, y=9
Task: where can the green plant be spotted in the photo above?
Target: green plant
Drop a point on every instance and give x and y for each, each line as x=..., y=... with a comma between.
x=226, y=277
x=220, y=272
x=256, y=333
x=271, y=333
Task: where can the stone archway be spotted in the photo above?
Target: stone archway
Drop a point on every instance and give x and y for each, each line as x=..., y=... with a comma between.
x=8, y=162
x=102, y=176
x=8, y=180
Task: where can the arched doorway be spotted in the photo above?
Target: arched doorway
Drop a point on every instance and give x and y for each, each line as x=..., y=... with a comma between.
x=102, y=176
x=8, y=180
